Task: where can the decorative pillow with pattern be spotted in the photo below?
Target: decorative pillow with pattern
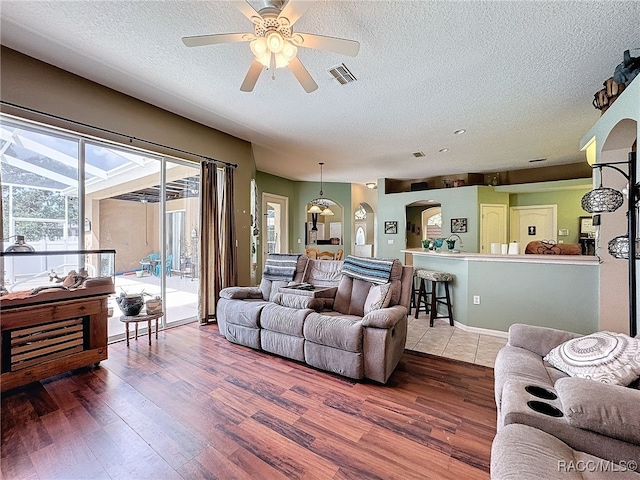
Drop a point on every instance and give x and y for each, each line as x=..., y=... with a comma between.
x=379, y=297
x=606, y=357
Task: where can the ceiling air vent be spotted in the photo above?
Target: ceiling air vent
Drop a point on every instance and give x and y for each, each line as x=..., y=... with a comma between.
x=537, y=160
x=342, y=74
x=418, y=154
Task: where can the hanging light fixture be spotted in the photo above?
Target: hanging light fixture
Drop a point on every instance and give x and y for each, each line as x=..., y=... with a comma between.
x=20, y=245
x=602, y=199
x=320, y=204
x=619, y=247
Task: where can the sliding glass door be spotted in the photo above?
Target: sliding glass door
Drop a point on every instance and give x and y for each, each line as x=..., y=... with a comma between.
x=143, y=205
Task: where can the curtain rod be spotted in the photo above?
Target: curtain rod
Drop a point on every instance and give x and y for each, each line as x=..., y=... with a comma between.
x=129, y=137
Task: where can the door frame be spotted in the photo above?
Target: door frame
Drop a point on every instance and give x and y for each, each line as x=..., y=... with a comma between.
x=284, y=222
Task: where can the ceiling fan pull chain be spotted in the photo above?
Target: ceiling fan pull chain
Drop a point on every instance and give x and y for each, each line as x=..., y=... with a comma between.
x=272, y=66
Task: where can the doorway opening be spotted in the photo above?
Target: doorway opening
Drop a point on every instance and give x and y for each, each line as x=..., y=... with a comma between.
x=275, y=226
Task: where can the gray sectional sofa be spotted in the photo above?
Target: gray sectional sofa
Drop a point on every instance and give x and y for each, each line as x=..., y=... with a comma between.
x=346, y=324
x=580, y=428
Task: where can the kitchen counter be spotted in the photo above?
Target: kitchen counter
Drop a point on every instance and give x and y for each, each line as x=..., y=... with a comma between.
x=558, y=291
x=484, y=257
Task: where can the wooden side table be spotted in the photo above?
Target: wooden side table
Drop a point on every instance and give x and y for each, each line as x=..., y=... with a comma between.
x=126, y=319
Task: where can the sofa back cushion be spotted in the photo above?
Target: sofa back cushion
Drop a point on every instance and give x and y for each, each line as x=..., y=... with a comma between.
x=323, y=273
x=353, y=293
x=270, y=287
x=351, y=296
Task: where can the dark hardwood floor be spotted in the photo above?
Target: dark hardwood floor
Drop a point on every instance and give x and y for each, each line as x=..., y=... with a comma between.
x=194, y=405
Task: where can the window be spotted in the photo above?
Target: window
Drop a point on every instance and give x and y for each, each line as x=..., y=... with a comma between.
x=432, y=223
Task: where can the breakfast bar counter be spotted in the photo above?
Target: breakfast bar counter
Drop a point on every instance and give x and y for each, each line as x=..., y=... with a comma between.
x=491, y=292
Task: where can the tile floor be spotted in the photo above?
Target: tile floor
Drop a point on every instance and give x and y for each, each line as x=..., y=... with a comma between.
x=452, y=342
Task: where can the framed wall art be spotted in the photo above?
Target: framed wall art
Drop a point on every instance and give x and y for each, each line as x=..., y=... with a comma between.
x=390, y=227
x=458, y=225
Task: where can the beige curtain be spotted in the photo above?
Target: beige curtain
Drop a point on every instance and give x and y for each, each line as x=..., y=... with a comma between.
x=218, y=266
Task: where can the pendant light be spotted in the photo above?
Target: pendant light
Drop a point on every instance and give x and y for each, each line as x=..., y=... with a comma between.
x=602, y=199
x=20, y=246
x=320, y=205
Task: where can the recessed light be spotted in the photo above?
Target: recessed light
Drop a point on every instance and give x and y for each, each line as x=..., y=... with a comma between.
x=418, y=154
x=459, y=132
x=443, y=150
x=371, y=185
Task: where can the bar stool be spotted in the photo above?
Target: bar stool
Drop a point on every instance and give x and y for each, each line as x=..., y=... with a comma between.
x=435, y=278
x=417, y=281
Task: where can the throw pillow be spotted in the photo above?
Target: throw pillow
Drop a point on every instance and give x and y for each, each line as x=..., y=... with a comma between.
x=606, y=357
x=378, y=297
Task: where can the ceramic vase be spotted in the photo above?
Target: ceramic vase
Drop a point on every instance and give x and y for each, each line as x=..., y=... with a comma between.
x=130, y=305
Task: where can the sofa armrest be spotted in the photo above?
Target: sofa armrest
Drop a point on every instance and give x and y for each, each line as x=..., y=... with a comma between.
x=241, y=293
x=384, y=317
x=539, y=340
x=610, y=410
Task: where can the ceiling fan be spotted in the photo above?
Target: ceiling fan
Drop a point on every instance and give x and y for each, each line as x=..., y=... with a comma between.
x=273, y=43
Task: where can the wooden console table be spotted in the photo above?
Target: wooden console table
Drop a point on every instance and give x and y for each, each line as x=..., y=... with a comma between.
x=45, y=338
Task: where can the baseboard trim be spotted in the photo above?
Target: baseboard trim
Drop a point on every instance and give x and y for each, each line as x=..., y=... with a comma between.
x=481, y=331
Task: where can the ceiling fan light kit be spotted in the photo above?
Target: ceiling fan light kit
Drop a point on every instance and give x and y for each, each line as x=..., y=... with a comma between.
x=274, y=45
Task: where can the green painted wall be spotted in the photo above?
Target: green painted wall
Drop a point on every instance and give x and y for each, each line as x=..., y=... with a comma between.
x=512, y=292
x=339, y=193
x=459, y=202
x=299, y=193
x=569, y=209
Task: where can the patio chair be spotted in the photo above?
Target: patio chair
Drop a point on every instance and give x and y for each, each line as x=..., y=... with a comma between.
x=149, y=262
x=167, y=266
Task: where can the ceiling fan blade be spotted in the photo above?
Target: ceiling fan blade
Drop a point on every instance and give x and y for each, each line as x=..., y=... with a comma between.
x=247, y=10
x=200, y=40
x=252, y=76
x=294, y=9
x=303, y=76
x=329, y=44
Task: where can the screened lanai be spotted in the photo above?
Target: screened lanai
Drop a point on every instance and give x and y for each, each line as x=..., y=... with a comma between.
x=64, y=191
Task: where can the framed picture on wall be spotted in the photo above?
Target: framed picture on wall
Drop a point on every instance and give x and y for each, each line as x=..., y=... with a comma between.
x=587, y=227
x=390, y=227
x=458, y=225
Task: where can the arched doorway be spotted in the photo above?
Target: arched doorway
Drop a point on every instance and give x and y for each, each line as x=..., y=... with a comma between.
x=424, y=220
x=364, y=231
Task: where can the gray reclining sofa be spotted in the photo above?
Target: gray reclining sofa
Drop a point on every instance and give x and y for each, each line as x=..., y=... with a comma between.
x=555, y=426
x=353, y=322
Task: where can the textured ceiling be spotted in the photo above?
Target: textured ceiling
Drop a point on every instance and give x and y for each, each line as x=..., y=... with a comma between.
x=518, y=76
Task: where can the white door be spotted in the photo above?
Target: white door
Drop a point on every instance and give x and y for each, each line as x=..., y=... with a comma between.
x=493, y=225
x=275, y=221
x=538, y=222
